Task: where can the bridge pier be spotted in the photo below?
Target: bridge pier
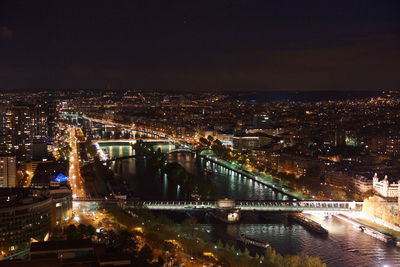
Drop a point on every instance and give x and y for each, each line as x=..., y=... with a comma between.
x=227, y=211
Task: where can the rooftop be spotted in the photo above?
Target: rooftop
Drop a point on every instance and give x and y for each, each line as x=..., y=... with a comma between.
x=61, y=245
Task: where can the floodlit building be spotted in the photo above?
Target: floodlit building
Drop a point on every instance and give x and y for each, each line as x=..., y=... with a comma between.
x=250, y=141
x=384, y=187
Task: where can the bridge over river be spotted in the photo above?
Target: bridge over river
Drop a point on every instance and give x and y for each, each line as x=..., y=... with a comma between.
x=267, y=205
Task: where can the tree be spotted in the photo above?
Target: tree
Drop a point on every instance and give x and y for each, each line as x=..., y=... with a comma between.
x=312, y=262
x=164, y=220
x=145, y=254
x=219, y=244
x=217, y=142
x=246, y=252
x=82, y=229
x=126, y=241
x=293, y=261
x=90, y=230
x=168, y=246
x=204, y=141
x=160, y=261
x=90, y=148
x=190, y=222
x=72, y=232
x=338, y=194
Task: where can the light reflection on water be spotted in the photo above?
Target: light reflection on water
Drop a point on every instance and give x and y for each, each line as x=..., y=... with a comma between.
x=345, y=245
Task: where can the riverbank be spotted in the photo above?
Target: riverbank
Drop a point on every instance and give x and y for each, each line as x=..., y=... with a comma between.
x=379, y=227
x=369, y=229
x=262, y=178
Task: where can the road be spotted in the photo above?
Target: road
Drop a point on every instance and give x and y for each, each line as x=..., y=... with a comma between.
x=76, y=180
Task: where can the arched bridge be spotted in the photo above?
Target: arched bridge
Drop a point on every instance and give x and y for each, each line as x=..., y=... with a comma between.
x=133, y=141
x=248, y=205
x=176, y=150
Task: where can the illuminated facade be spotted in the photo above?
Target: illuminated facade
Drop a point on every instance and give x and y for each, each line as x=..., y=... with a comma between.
x=21, y=124
x=384, y=187
x=17, y=131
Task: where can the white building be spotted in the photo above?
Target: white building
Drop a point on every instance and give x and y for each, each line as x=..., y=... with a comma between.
x=361, y=183
x=8, y=171
x=384, y=188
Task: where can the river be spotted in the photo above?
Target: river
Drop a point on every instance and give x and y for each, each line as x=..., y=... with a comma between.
x=345, y=246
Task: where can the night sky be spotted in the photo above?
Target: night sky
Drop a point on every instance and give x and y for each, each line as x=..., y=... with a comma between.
x=200, y=45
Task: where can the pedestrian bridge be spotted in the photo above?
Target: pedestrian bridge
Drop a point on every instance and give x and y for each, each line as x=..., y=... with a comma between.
x=274, y=206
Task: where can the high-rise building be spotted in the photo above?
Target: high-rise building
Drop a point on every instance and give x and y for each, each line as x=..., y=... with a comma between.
x=43, y=119
x=17, y=130
x=8, y=173
x=261, y=121
x=21, y=123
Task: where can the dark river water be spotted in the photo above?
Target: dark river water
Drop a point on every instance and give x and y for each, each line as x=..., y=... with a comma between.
x=345, y=246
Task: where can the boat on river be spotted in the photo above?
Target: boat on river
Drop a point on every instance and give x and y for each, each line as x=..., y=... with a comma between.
x=251, y=241
x=308, y=223
x=388, y=239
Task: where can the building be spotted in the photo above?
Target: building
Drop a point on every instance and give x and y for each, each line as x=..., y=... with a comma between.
x=250, y=141
x=70, y=253
x=340, y=137
x=44, y=115
x=8, y=172
x=39, y=150
x=64, y=250
x=361, y=183
x=49, y=173
x=261, y=121
x=385, y=187
x=21, y=123
x=17, y=130
x=31, y=166
x=25, y=215
x=337, y=177
x=385, y=145
x=62, y=204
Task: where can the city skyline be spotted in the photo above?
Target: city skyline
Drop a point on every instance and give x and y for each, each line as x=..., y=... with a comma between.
x=227, y=133
x=224, y=180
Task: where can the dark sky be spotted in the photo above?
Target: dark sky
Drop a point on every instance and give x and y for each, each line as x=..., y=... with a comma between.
x=233, y=45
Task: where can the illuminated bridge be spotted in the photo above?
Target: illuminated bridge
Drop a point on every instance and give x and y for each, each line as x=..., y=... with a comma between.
x=176, y=150
x=283, y=206
x=248, y=205
x=133, y=141
x=105, y=122
x=135, y=156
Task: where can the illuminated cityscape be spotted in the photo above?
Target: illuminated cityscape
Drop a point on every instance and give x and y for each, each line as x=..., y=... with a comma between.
x=192, y=139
